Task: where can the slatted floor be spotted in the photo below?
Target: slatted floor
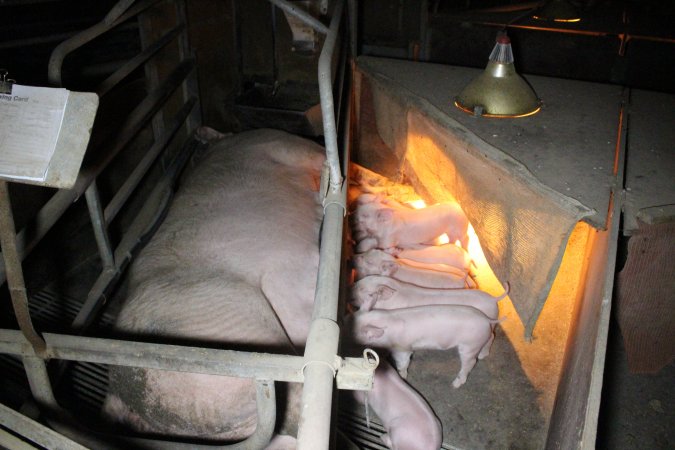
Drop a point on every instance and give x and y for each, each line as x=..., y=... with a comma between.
x=83, y=387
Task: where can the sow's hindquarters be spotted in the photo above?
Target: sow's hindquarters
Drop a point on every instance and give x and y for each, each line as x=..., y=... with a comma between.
x=233, y=266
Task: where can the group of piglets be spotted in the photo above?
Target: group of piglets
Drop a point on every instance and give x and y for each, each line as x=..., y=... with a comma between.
x=412, y=292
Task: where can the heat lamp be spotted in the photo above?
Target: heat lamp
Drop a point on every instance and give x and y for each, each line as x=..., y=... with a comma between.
x=499, y=91
x=557, y=11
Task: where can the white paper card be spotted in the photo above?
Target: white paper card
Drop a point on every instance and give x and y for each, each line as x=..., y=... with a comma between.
x=30, y=122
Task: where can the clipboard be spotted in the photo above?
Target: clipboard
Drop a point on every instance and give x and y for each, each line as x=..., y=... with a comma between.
x=45, y=133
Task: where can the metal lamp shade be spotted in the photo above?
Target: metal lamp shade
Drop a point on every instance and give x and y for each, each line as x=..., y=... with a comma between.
x=558, y=11
x=498, y=92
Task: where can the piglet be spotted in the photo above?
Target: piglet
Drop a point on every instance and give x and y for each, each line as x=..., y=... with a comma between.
x=377, y=262
x=365, y=177
x=380, y=292
x=371, y=182
x=395, y=227
x=450, y=254
x=366, y=207
x=436, y=327
x=407, y=417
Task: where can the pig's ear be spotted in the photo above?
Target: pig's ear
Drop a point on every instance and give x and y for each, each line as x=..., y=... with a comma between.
x=373, y=332
x=388, y=267
x=385, y=215
x=385, y=292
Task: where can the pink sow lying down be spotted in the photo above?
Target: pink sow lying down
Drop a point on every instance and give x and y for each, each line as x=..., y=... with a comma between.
x=232, y=266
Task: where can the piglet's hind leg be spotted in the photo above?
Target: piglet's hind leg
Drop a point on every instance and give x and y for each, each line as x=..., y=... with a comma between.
x=401, y=361
x=485, y=351
x=467, y=356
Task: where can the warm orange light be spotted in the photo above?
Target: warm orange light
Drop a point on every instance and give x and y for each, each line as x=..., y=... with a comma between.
x=475, y=249
x=417, y=204
x=442, y=239
x=497, y=116
x=557, y=20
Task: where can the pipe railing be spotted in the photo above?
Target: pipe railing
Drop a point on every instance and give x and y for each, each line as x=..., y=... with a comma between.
x=65, y=48
x=181, y=358
x=320, y=364
x=323, y=338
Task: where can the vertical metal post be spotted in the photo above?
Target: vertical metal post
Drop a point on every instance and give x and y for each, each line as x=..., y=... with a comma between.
x=190, y=85
x=322, y=341
x=15, y=280
x=326, y=96
x=151, y=73
x=38, y=379
x=98, y=222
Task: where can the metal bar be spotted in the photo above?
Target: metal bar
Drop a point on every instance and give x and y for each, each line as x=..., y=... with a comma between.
x=342, y=60
x=38, y=379
x=9, y=441
x=39, y=434
x=117, y=11
x=302, y=15
x=57, y=205
x=131, y=183
x=98, y=222
x=95, y=300
x=267, y=417
x=261, y=366
x=317, y=393
x=326, y=96
x=190, y=87
x=15, y=281
x=66, y=47
x=161, y=356
x=154, y=208
x=151, y=69
x=606, y=33
x=322, y=341
x=135, y=62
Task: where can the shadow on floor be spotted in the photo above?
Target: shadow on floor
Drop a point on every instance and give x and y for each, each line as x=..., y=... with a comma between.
x=636, y=411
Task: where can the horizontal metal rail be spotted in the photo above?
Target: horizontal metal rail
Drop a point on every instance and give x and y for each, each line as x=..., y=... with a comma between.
x=209, y=361
x=294, y=11
x=135, y=62
x=132, y=182
x=39, y=434
x=65, y=48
